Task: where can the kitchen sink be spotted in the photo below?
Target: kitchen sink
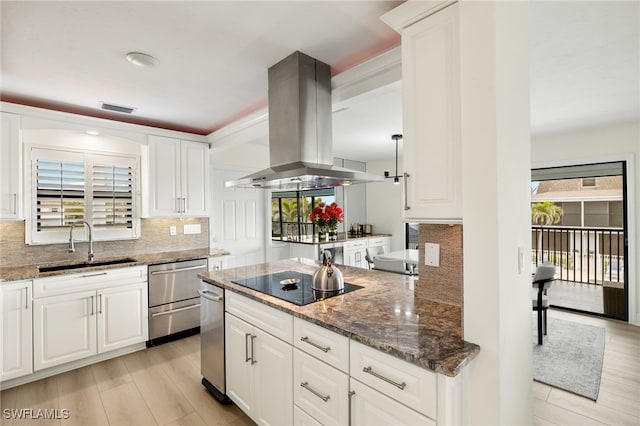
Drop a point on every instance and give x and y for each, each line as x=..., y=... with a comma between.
x=66, y=267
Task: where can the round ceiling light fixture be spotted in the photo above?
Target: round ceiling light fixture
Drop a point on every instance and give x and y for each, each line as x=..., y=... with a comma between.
x=141, y=59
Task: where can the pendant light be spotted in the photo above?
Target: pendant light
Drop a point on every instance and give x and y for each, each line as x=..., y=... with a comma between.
x=396, y=177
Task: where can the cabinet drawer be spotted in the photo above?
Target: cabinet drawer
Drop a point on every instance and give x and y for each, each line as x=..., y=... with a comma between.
x=323, y=344
x=70, y=283
x=402, y=381
x=300, y=418
x=377, y=242
x=370, y=407
x=363, y=243
x=271, y=320
x=320, y=390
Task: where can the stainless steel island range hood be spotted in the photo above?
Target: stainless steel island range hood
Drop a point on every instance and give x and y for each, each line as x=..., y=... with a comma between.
x=300, y=132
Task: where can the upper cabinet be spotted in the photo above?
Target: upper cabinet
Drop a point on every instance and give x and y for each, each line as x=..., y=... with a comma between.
x=431, y=110
x=178, y=178
x=10, y=195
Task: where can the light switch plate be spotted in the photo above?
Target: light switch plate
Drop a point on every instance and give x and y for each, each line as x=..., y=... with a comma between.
x=172, y=230
x=432, y=254
x=192, y=229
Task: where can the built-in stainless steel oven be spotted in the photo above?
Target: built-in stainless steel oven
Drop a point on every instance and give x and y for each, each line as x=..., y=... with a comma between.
x=174, y=302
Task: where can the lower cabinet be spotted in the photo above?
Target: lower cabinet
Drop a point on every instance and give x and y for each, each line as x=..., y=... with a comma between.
x=320, y=390
x=64, y=329
x=258, y=372
x=15, y=330
x=370, y=407
x=109, y=313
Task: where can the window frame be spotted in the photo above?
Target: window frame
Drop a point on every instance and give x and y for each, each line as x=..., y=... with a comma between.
x=88, y=158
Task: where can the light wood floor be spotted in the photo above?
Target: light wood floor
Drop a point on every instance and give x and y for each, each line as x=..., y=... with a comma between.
x=156, y=386
x=619, y=398
x=161, y=386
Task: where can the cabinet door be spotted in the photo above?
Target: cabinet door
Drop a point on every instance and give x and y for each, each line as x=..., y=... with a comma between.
x=64, y=328
x=350, y=258
x=431, y=119
x=164, y=177
x=10, y=166
x=239, y=370
x=15, y=330
x=122, y=316
x=195, y=178
x=273, y=360
x=370, y=407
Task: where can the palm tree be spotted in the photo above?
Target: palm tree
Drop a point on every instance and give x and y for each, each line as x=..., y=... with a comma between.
x=546, y=213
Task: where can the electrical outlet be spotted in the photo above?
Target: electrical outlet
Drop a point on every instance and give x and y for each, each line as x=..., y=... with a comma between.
x=173, y=230
x=432, y=254
x=192, y=229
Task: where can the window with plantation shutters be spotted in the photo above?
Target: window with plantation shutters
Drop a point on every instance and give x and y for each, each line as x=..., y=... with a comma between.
x=71, y=186
x=112, y=200
x=60, y=194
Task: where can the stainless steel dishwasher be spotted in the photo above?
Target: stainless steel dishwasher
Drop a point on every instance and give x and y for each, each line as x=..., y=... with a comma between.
x=212, y=361
x=174, y=303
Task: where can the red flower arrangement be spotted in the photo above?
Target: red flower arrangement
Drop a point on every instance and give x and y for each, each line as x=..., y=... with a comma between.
x=326, y=216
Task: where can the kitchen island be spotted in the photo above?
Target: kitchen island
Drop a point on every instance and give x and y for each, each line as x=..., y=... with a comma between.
x=384, y=317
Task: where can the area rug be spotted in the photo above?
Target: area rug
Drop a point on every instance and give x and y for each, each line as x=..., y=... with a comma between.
x=570, y=357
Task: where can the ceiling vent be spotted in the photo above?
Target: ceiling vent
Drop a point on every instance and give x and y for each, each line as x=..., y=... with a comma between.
x=116, y=108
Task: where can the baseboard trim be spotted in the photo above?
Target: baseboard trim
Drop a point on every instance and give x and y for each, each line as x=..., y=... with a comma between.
x=52, y=371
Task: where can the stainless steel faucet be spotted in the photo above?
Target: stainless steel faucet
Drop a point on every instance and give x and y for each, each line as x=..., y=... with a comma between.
x=72, y=248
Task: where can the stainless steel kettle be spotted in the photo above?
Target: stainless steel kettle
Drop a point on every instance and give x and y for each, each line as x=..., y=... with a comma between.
x=327, y=277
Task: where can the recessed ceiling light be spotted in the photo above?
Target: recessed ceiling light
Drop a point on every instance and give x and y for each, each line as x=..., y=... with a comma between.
x=93, y=132
x=141, y=59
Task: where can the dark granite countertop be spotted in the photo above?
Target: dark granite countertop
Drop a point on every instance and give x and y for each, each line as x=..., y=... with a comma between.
x=28, y=272
x=341, y=238
x=385, y=314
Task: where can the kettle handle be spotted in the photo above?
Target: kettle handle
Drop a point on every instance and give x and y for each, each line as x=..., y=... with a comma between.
x=327, y=259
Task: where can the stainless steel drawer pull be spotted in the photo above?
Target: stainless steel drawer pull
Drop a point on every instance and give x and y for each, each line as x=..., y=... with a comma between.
x=247, y=358
x=92, y=311
x=97, y=274
x=100, y=304
x=253, y=360
x=324, y=349
x=26, y=298
x=305, y=385
x=171, y=271
x=214, y=297
x=157, y=314
x=406, y=203
x=369, y=370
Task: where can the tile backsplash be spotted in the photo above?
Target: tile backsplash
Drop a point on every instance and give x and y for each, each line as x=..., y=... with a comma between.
x=443, y=283
x=155, y=238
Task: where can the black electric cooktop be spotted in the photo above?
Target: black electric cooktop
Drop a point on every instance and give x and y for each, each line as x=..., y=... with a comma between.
x=282, y=285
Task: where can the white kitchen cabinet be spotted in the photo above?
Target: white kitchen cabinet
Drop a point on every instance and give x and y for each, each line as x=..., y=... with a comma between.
x=355, y=252
x=10, y=161
x=76, y=316
x=382, y=242
x=258, y=372
x=431, y=112
x=16, y=330
x=178, y=177
x=64, y=329
x=320, y=390
x=122, y=316
x=370, y=407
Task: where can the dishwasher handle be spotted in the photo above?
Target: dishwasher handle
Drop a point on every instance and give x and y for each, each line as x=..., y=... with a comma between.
x=172, y=271
x=207, y=295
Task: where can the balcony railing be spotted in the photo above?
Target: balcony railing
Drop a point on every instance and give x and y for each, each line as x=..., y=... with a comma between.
x=585, y=255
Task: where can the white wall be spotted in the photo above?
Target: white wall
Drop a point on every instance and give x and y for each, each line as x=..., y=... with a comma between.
x=614, y=142
x=384, y=204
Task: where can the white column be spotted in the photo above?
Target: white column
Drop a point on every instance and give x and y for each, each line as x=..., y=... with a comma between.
x=496, y=213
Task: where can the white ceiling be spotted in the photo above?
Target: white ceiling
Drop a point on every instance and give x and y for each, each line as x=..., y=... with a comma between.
x=213, y=59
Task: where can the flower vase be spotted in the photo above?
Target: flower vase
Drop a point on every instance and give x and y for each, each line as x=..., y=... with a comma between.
x=323, y=236
x=333, y=235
